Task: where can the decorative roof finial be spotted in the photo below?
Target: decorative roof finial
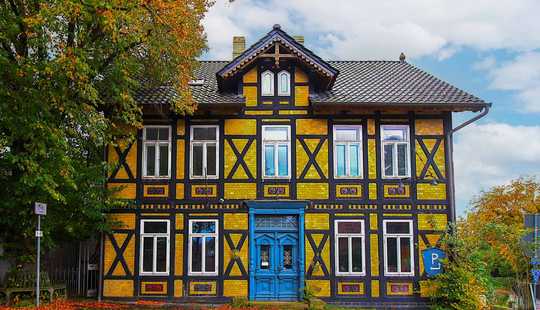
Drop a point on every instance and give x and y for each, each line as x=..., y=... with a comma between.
x=402, y=57
x=277, y=26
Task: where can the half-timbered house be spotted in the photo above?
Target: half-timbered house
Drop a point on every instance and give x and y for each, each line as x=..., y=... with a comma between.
x=295, y=173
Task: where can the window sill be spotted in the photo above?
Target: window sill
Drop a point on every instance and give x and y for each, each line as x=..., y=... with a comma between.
x=348, y=178
x=204, y=178
x=403, y=178
x=350, y=274
x=391, y=274
x=201, y=274
x=156, y=178
x=276, y=178
x=149, y=274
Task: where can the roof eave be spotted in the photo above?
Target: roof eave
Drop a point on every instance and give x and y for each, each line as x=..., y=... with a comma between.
x=223, y=108
x=443, y=107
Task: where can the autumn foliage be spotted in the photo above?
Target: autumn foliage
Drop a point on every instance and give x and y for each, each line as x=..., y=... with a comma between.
x=486, y=252
x=69, y=70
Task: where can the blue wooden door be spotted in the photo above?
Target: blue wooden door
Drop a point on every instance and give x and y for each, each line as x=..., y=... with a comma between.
x=276, y=264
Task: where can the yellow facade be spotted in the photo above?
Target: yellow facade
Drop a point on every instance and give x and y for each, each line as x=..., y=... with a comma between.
x=118, y=288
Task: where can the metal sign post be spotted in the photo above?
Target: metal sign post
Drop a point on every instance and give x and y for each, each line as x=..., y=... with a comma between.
x=39, y=209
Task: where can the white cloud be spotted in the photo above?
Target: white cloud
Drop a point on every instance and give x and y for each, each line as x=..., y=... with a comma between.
x=521, y=75
x=485, y=64
x=381, y=29
x=493, y=154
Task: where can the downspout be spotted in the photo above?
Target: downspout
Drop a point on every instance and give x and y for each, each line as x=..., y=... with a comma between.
x=450, y=148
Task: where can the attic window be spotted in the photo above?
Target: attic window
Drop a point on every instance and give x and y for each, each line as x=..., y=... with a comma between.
x=267, y=83
x=197, y=82
x=284, y=83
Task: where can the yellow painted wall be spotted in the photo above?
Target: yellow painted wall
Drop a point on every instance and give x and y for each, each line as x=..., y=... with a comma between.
x=251, y=76
x=301, y=96
x=123, y=190
x=317, y=221
x=430, y=221
x=429, y=127
x=372, y=159
x=180, y=158
x=240, y=127
x=235, y=288
x=179, y=255
x=311, y=126
x=426, y=191
x=312, y=190
x=240, y=191
x=250, y=92
x=130, y=160
x=118, y=288
x=235, y=221
x=319, y=288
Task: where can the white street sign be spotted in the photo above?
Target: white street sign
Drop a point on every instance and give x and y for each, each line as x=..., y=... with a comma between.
x=40, y=208
x=39, y=233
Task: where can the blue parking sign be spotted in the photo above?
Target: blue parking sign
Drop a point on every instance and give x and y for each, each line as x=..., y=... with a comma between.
x=432, y=261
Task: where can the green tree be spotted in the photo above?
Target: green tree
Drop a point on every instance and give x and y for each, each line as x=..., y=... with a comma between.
x=487, y=248
x=68, y=70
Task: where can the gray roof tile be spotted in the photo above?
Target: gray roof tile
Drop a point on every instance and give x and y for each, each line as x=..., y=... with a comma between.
x=207, y=93
x=390, y=82
x=358, y=82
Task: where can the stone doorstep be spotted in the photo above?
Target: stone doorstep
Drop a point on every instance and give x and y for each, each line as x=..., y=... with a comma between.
x=280, y=304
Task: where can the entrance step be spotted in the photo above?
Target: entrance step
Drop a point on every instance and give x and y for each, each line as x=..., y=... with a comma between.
x=279, y=305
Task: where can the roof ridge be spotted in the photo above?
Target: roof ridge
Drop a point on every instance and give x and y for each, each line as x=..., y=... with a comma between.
x=213, y=60
x=375, y=60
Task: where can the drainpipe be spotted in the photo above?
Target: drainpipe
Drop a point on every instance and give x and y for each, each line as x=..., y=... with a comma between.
x=449, y=147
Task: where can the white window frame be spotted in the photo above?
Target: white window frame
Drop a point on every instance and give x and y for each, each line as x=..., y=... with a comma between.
x=156, y=144
x=154, y=251
x=347, y=152
x=276, y=144
x=272, y=91
x=398, y=236
x=288, y=91
x=204, y=176
x=349, y=236
x=407, y=142
x=203, y=258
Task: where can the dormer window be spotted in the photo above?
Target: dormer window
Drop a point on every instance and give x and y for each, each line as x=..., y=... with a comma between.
x=284, y=83
x=267, y=83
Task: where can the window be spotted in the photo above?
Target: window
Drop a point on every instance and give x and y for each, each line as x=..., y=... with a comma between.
x=350, y=258
x=348, y=151
x=204, y=152
x=156, y=151
x=276, y=151
x=284, y=83
x=154, y=247
x=203, y=247
x=398, y=247
x=267, y=83
x=395, y=147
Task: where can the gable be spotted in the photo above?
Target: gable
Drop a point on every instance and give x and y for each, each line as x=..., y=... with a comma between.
x=277, y=45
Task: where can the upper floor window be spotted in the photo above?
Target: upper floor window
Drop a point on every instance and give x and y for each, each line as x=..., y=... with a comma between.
x=349, y=247
x=203, y=247
x=276, y=151
x=398, y=247
x=267, y=83
x=395, y=148
x=155, y=242
x=156, y=151
x=204, y=151
x=284, y=83
x=348, y=151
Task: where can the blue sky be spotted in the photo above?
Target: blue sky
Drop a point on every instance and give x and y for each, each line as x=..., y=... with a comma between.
x=488, y=48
